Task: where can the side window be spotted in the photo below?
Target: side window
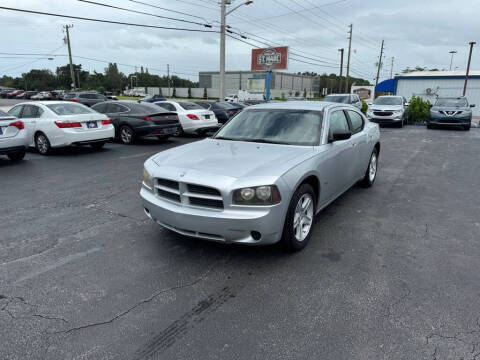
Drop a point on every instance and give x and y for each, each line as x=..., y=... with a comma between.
x=39, y=112
x=15, y=111
x=117, y=108
x=357, y=121
x=83, y=96
x=168, y=107
x=29, y=111
x=338, y=121
x=101, y=108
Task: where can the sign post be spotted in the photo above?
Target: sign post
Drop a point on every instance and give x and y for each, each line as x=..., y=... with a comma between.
x=269, y=59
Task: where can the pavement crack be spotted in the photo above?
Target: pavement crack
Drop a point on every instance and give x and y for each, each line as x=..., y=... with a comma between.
x=46, y=317
x=140, y=303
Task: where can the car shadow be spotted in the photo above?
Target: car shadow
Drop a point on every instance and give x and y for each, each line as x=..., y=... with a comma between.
x=73, y=151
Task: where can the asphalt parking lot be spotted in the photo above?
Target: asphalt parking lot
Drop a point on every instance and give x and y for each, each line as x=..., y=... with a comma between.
x=391, y=272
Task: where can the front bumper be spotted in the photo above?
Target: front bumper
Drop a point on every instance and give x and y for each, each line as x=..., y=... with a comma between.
x=393, y=119
x=440, y=119
x=228, y=226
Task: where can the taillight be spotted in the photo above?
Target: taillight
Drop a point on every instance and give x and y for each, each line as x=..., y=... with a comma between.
x=147, y=118
x=74, y=100
x=67, y=125
x=192, y=116
x=18, y=124
x=106, y=122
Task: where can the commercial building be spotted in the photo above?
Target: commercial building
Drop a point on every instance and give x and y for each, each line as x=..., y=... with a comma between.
x=253, y=81
x=431, y=84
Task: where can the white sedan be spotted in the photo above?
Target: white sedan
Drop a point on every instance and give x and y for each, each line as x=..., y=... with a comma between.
x=13, y=139
x=194, y=119
x=56, y=124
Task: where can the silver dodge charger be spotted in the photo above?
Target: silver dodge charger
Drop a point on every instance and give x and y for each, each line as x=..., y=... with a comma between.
x=264, y=175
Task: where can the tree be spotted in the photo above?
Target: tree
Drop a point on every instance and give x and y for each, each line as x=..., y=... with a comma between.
x=64, y=78
x=115, y=81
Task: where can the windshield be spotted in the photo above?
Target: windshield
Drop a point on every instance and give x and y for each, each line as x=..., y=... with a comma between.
x=222, y=105
x=190, y=106
x=291, y=127
x=70, y=109
x=66, y=96
x=388, y=100
x=451, y=102
x=344, y=99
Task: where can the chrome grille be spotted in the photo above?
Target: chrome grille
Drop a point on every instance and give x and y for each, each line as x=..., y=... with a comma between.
x=189, y=194
x=383, y=113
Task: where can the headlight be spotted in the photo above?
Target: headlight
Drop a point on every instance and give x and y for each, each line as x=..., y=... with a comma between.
x=147, y=180
x=259, y=195
x=369, y=111
x=435, y=111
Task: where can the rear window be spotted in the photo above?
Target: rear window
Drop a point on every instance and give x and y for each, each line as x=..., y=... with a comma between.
x=343, y=99
x=146, y=108
x=3, y=114
x=223, y=106
x=69, y=109
x=190, y=106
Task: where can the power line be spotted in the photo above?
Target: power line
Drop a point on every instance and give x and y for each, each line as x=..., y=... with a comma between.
x=144, y=13
x=105, y=21
x=165, y=9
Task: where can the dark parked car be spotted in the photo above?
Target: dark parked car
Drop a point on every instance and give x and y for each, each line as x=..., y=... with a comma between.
x=451, y=111
x=133, y=120
x=14, y=94
x=223, y=110
x=85, y=98
x=4, y=93
x=238, y=105
x=153, y=98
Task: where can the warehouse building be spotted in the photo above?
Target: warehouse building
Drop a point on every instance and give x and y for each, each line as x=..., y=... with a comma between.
x=253, y=82
x=431, y=84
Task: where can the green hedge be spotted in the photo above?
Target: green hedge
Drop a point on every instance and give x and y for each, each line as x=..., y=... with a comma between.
x=418, y=110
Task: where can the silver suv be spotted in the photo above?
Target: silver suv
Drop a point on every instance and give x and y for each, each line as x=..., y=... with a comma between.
x=352, y=99
x=389, y=109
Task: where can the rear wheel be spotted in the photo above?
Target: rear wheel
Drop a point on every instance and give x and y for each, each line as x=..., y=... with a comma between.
x=42, y=144
x=466, y=127
x=16, y=156
x=371, y=173
x=97, y=145
x=299, y=220
x=126, y=135
x=429, y=126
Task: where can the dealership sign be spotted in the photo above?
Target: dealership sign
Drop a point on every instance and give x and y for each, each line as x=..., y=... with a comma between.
x=275, y=58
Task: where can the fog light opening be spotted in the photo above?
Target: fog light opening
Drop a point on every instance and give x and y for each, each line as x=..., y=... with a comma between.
x=147, y=212
x=256, y=235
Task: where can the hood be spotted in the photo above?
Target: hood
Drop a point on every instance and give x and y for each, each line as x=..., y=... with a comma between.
x=385, y=107
x=451, y=108
x=233, y=158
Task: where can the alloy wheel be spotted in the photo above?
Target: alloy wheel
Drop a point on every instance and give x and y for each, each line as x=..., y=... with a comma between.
x=42, y=144
x=372, y=168
x=303, y=217
x=126, y=135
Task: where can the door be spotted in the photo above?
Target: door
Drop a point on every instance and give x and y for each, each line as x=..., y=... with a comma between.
x=361, y=148
x=30, y=116
x=336, y=166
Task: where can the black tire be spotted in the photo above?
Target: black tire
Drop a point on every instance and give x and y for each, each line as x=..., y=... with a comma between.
x=42, y=144
x=466, y=127
x=97, y=145
x=163, y=137
x=126, y=135
x=16, y=156
x=429, y=126
x=368, y=179
x=289, y=238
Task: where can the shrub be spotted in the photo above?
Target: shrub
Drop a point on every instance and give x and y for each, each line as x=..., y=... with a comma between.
x=364, y=107
x=418, y=110
x=283, y=97
x=304, y=93
x=101, y=90
x=297, y=93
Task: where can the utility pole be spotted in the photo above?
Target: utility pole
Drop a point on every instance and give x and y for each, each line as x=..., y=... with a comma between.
x=453, y=52
x=348, y=60
x=468, y=67
x=391, y=68
x=221, y=90
x=341, y=69
x=72, y=74
x=168, y=78
x=379, y=64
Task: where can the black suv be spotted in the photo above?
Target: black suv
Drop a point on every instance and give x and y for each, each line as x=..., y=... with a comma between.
x=451, y=111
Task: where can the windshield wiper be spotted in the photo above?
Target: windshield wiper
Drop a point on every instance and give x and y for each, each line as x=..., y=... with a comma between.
x=264, y=141
x=223, y=138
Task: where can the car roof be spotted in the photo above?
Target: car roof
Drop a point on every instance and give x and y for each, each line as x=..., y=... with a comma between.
x=299, y=105
x=339, y=94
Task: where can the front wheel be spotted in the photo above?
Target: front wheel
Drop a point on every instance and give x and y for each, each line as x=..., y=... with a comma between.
x=16, y=156
x=299, y=220
x=466, y=127
x=42, y=144
x=371, y=173
x=126, y=135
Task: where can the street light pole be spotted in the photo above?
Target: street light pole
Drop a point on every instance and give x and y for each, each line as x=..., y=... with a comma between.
x=223, y=14
x=468, y=67
x=453, y=52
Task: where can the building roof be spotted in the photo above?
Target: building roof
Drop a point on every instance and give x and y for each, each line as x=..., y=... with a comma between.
x=455, y=73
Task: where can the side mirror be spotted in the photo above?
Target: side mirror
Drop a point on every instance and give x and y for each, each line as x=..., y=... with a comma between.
x=472, y=105
x=340, y=135
x=369, y=103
